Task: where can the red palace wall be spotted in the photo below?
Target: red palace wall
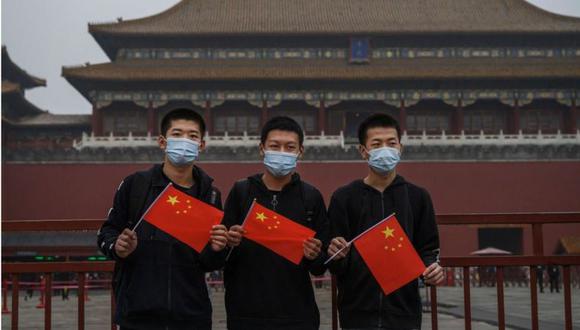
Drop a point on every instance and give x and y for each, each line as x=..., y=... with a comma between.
x=85, y=191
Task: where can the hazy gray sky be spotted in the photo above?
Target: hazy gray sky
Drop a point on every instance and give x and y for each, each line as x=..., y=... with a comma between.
x=43, y=35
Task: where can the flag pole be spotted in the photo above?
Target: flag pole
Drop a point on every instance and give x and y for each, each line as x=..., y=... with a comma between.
x=150, y=206
x=357, y=237
x=242, y=225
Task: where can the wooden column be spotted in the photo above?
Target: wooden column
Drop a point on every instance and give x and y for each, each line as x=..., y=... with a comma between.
x=264, y=114
x=97, y=120
x=457, y=124
x=207, y=117
x=514, y=120
x=322, y=117
x=151, y=119
x=572, y=118
x=403, y=117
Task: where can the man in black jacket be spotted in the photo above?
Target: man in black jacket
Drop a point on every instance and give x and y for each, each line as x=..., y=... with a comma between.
x=159, y=281
x=361, y=204
x=264, y=291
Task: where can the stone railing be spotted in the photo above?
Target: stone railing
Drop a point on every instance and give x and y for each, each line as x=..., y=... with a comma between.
x=490, y=139
x=216, y=141
x=212, y=141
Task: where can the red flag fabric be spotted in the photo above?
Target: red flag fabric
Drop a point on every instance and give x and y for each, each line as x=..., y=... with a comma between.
x=276, y=232
x=186, y=218
x=389, y=255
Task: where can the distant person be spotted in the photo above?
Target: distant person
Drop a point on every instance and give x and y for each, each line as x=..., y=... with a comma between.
x=540, y=276
x=159, y=281
x=361, y=204
x=554, y=276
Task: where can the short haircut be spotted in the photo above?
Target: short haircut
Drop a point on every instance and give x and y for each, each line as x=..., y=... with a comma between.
x=377, y=120
x=182, y=113
x=282, y=123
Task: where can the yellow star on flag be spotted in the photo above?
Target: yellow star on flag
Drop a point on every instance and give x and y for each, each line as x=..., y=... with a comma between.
x=261, y=216
x=388, y=232
x=172, y=200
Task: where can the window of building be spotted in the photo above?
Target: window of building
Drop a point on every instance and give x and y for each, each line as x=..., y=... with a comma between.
x=237, y=124
x=487, y=120
x=534, y=120
x=431, y=122
x=122, y=121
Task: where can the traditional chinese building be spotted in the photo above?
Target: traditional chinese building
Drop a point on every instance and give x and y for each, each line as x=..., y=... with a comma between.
x=25, y=127
x=439, y=66
x=469, y=80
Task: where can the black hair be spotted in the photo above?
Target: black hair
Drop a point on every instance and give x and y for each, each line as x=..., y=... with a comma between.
x=282, y=123
x=182, y=113
x=377, y=120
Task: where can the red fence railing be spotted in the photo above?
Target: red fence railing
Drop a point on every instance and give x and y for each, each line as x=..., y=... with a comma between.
x=536, y=221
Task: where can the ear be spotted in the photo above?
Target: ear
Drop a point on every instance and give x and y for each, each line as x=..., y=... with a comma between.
x=261, y=146
x=162, y=142
x=401, y=151
x=201, y=145
x=363, y=152
x=300, y=152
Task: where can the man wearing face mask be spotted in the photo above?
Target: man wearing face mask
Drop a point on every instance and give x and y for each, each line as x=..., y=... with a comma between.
x=363, y=203
x=159, y=282
x=265, y=291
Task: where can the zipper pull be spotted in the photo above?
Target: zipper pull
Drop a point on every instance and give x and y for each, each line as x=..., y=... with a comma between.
x=274, y=202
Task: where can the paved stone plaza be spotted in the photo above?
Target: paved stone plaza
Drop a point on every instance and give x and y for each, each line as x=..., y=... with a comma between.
x=483, y=302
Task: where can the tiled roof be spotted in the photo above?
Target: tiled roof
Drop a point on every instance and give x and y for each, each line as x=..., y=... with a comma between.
x=10, y=87
x=12, y=72
x=47, y=118
x=180, y=70
x=199, y=17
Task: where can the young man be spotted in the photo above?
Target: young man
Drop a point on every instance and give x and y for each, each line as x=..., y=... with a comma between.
x=361, y=204
x=159, y=281
x=265, y=291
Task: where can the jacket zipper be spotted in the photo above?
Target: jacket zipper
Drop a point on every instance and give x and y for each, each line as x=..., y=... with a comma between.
x=274, y=202
x=380, y=292
x=169, y=285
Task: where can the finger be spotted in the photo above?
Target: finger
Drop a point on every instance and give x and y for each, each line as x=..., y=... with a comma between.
x=341, y=240
x=429, y=270
x=123, y=244
x=127, y=231
x=311, y=245
x=315, y=241
x=120, y=249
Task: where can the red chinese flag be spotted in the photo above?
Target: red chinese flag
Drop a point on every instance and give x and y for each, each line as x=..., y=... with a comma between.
x=276, y=232
x=390, y=255
x=183, y=217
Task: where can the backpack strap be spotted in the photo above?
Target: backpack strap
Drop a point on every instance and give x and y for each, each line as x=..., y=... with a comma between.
x=138, y=196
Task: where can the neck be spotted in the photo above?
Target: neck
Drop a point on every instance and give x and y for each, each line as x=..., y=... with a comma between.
x=380, y=182
x=182, y=175
x=275, y=183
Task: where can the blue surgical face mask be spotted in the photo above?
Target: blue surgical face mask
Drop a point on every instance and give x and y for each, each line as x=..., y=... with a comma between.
x=280, y=163
x=181, y=151
x=384, y=160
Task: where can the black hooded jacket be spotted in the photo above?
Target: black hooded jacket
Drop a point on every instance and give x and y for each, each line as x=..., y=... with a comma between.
x=161, y=285
x=355, y=208
x=263, y=289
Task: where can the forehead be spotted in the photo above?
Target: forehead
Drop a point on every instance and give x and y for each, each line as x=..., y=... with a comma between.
x=184, y=124
x=381, y=133
x=281, y=136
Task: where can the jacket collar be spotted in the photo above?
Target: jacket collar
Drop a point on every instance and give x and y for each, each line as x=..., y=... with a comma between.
x=200, y=178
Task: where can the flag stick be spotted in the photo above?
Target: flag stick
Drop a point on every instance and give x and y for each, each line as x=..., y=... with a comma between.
x=242, y=225
x=357, y=237
x=150, y=206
